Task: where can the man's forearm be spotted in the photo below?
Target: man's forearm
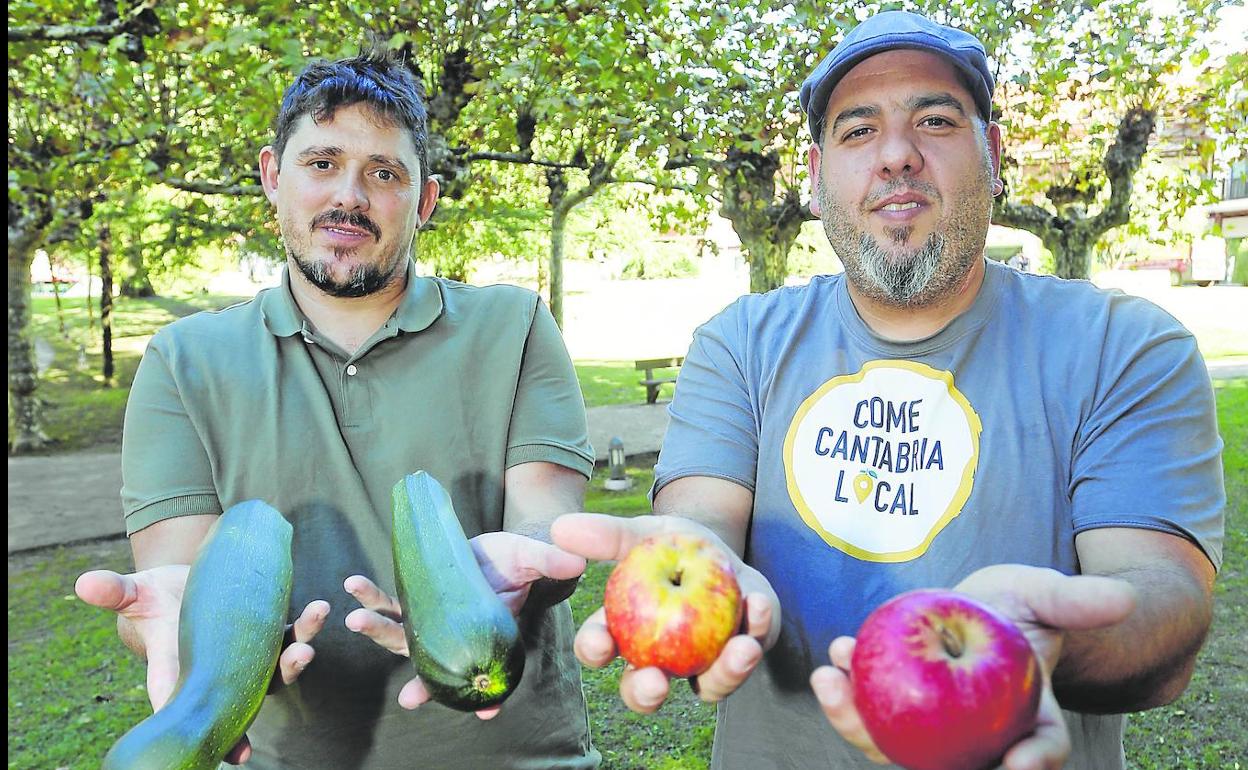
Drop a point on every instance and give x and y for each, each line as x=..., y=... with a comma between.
x=1144, y=661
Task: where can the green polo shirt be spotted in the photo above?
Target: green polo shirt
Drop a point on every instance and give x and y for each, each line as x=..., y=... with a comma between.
x=462, y=382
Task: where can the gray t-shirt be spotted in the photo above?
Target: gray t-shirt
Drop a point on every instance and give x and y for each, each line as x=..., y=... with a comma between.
x=462, y=382
x=1050, y=407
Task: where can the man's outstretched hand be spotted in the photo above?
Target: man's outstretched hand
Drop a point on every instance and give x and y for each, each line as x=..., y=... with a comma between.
x=609, y=538
x=513, y=565
x=148, y=603
x=1044, y=604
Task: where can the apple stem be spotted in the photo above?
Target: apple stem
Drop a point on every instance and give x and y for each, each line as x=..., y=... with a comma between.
x=676, y=576
x=953, y=645
x=481, y=682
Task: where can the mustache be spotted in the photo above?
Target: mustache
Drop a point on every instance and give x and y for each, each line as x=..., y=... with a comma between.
x=902, y=184
x=352, y=218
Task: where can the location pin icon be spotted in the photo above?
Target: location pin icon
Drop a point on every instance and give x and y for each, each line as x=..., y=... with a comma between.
x=862, y=486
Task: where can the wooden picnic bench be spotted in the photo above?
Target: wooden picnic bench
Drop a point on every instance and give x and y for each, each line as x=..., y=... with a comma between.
x=651, y=382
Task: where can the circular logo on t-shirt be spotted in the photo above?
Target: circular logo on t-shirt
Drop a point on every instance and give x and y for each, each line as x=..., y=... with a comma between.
x=878, y=462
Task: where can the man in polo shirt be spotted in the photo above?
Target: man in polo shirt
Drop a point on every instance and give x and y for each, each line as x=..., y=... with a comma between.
x=930, y=418
x=317, y=396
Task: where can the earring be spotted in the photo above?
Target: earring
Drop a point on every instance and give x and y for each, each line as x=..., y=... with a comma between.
x=998, y=187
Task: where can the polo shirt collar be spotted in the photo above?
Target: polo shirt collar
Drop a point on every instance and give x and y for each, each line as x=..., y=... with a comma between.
x=420, y=306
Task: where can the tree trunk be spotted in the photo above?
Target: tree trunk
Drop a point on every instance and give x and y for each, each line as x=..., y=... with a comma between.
x=106, y=300
x=768, y=255
x=557, y=223
x=766, y=226
x=138, y=283
x=1072, y=252
x=1070, y=233
x=543, y=278
x=561, y=204
x=60, y=309
x=24, y=406
x=90, y=308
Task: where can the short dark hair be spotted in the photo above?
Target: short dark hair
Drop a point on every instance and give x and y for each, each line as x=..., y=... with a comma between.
x=377, y=78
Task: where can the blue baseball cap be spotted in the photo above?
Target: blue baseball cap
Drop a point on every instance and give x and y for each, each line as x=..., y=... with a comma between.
x=887, y=31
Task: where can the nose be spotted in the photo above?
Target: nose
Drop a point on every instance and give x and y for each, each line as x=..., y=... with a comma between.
x=351, y=194
x=899, y=155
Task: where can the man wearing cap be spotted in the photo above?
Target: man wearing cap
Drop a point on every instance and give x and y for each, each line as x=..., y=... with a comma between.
x=933, y=419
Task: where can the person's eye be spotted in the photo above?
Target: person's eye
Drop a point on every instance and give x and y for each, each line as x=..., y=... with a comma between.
x=857, y=133
x=935, y=121
x=386, y=175
x=321, y=165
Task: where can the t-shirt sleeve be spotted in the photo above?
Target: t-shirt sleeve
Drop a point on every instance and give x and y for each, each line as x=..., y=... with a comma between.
x=548, y=418
x=1149, y=454
x=713, y=430
x=165, y=468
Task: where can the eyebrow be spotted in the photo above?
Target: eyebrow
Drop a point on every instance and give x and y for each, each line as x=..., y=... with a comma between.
x=943, y=99
x=855, y=113
x=333, y=151
x=916, y=103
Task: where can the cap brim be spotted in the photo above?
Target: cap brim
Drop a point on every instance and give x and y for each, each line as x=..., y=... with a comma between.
x=823, y=90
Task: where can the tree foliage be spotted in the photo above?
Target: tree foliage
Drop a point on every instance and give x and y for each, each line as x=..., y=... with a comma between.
x=151, y=115
x=1100, y=91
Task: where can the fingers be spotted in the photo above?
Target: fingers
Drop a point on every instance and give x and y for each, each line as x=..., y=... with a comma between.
x=293, y=660
x=601, y=537
x=594, y=646
x=841, y=651
x=368, y=594
x=733, y=666
x=379, y=618
x=643, y=689
x=162, y=673
x=240, y=753
x=836, y=698
x=1046, y=748
x=297, y=655
x=518, y=560
x=1050, y=598
x=1081, y=602
x=311, y=620
x=107, y=589
x=413, y=694
x=756, y=616
x=382, y=630
x=535, y=560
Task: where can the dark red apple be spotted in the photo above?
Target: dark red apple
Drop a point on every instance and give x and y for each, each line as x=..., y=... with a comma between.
x=673, y=602
x=944, y=682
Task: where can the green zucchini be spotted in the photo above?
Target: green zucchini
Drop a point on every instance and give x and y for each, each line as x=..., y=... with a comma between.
x=230, y=631
x=463, y=640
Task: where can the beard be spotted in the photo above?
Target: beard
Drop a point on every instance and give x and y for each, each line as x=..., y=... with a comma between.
x=890, y=273
x=362, y=279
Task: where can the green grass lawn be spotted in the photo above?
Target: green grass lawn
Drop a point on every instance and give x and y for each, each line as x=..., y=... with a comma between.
x=73, y=689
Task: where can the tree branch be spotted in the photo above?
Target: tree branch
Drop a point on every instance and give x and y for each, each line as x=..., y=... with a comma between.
x=515, y=157
x=656, y=183
x=1121, y=162
x=83, y=32
x=232, y=187
x=1034, y=219
x=687, y=161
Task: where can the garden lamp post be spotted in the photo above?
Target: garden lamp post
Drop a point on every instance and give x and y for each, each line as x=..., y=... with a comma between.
x=617, y=480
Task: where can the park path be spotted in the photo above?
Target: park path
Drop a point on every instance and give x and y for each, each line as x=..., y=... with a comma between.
x=74, y=496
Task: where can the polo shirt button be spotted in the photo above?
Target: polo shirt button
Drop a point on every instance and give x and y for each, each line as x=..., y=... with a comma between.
x=351, y=370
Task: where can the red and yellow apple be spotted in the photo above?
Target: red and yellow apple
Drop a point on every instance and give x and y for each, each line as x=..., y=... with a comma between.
x=673, y=602
x=944, y=682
